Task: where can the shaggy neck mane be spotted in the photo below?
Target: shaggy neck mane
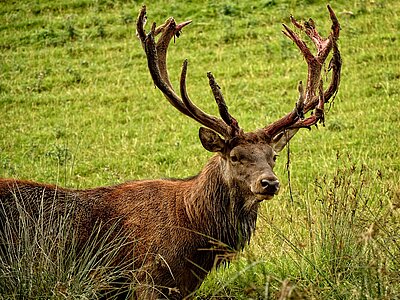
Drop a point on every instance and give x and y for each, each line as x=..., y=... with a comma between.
x=215, y=207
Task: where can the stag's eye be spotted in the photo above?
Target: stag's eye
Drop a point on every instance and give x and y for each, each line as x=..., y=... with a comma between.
x=234, y=158
x=275, y=157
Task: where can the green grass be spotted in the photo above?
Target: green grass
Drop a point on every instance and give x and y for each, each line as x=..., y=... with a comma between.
x=78, y=108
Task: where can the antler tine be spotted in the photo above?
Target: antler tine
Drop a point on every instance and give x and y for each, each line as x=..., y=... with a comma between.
x=315, y=63
x=160, y=78
x=222, y=107
x=335, y=65
x=318, y=116
x=169, y=29
x=140, y=23
x=218, y=125
x=164, y=86
x=157, y=62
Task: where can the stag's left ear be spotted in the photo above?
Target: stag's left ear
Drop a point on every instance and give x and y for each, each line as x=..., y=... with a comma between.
x=281, y=139
x=210, y=140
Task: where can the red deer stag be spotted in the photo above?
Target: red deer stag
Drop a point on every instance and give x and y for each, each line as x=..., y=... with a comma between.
x=181, y=228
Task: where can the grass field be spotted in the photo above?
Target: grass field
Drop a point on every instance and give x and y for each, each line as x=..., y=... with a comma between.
x=78, y=108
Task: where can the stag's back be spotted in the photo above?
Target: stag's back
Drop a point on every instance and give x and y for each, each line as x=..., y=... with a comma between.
x=39, y=202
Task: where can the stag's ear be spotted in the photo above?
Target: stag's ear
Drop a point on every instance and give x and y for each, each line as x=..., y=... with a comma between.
x=210, y=140
x=281, y=139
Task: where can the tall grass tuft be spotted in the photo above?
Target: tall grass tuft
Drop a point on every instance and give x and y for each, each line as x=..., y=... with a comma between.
x=348, y=245
x=39, y=257
x=337, y=240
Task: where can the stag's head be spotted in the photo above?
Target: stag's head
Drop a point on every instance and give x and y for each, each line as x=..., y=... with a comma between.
x=248, y=157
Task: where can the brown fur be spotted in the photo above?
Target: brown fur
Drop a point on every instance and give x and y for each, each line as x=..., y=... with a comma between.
x=180, y=229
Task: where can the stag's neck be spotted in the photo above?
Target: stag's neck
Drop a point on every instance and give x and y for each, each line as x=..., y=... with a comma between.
x=216, y=206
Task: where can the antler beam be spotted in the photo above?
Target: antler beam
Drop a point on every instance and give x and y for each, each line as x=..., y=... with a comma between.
x=157, y=62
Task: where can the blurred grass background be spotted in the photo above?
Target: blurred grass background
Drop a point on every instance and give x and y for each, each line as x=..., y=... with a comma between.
x=78, y=108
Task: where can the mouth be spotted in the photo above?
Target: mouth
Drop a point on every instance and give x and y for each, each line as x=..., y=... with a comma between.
x=261, y=197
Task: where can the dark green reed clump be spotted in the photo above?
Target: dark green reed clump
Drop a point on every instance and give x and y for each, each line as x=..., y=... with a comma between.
x=39, y=257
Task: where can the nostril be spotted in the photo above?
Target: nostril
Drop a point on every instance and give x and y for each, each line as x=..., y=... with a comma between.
x=270, y=185
x=276, y=186
x=265, y=183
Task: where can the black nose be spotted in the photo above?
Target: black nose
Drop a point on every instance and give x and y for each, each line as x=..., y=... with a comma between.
x=270, y=186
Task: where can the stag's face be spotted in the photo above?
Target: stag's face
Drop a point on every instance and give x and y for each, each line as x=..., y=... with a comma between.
x=251, y=165
x=249, y=162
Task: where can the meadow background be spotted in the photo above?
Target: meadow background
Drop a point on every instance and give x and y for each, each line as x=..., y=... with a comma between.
x=78, y=108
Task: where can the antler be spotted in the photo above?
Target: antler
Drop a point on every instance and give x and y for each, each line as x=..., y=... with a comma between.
x=157, y=62
x=309, y=99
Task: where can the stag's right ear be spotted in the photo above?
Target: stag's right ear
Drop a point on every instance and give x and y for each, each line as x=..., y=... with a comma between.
x=210, y=140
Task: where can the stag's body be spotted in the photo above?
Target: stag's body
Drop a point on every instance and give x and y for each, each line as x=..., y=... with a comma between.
x=185, y=226
x=178, y=230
